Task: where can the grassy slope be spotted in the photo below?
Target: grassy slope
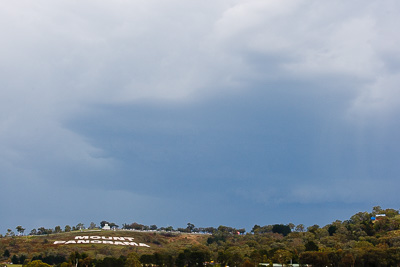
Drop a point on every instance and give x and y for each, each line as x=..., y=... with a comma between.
x=34, y=245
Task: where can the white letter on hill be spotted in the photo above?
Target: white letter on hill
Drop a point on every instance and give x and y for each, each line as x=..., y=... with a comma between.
x=130, y=243
x=81, y=237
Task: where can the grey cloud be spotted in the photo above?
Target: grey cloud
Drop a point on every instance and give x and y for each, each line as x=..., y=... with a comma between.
x=230, y=100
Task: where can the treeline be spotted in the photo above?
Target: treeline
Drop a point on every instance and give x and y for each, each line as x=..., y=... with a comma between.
x=77, y=259
x=189, y=229
x=189, y=257
x=45, y=231
x=133, y=226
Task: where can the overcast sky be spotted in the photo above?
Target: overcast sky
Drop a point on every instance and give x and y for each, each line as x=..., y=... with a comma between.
x=214, y=112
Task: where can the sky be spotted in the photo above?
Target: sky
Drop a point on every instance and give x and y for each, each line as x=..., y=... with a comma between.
x=213, y=112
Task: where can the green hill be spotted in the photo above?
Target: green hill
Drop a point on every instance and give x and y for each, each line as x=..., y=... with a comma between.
x=365, y=239
x=147, y=242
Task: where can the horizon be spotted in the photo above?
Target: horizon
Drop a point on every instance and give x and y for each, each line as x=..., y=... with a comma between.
x=378, y=210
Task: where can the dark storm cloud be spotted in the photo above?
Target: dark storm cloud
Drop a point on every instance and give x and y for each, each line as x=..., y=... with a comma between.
x=271, y=137
x=278, y=145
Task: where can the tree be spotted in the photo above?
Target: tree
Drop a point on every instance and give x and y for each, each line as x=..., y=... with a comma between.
x=282, y=256
x=190, y=227
x=198, y=258
x=67, y=228
x=223, y=257
x=348, y=260
x=22, y=259
x=226, y=229
x=15, y=259
x=300, y=228
x=74, y=258
x=146, y=259
x=315, y=258
x=311, y=246
x=135, y=225
x=376, y=210
x=255, y=228
x=37, y=263
x=10, y=233
x=159, y=259
x=313, y=228
x=18, y=259
x=235, y=260
x=390, y=212
x=113, y=225
x=110, y=261
x=92, y=225
x=80, y=226
x=281, y=229
x=20, y=230
x=210, y=230
x=44, y=231
x=6, y=253
x=133, y=260
x=332, y=229
x=86, y=262
x=57, y=229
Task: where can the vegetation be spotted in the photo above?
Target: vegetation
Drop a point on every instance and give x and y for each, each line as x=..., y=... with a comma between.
x=366, y=239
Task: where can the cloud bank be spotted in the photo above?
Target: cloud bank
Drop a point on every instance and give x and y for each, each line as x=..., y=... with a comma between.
x=214, y=112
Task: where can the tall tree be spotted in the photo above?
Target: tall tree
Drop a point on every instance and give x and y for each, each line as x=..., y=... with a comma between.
x=20, y=230
x=92, y=225
x=190, y=227
x=10, y=233
x=133, y=260
x=300, y=228
x=6, y=253
x=80, y=226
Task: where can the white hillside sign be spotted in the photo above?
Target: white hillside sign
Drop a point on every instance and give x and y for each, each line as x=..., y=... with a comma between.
x=112, y=240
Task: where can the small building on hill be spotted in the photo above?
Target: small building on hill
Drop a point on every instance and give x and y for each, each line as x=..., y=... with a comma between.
x=378, y=217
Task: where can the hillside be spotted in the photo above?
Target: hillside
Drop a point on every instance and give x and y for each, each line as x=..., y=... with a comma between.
x=366, y=239
x=147, y=243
